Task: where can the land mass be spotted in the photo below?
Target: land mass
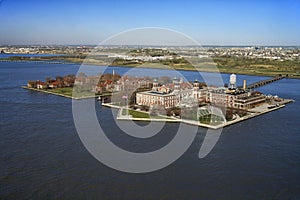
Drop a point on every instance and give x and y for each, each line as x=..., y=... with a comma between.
x=166, y=99
x=265, y=61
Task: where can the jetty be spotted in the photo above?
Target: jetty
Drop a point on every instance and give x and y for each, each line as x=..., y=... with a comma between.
x=265, y=82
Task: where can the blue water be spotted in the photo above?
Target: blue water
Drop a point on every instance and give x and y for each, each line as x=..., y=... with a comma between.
x=42, y=157
x=7, y=55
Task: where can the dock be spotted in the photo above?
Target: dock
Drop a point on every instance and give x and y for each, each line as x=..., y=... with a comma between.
x=265, y=82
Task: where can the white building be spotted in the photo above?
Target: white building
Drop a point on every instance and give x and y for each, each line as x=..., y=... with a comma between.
x=231, y=97
x=163, y=95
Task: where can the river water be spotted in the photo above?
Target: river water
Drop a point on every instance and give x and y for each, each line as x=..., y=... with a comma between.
x=42, y=157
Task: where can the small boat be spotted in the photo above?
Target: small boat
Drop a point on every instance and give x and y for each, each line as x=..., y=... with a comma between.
x=99, y=99
x=272, y=106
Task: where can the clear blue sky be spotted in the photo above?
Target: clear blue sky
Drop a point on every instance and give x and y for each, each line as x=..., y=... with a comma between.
x=214, y=22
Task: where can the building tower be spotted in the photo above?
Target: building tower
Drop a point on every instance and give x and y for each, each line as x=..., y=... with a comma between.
x=174, y=80
x=245, y=85
x=181, y=80
x=196, y=85
x=155, y=85
x=232, y=81
x=176, y=84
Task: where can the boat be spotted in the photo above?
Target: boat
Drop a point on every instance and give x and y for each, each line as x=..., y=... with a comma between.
x=271, y=106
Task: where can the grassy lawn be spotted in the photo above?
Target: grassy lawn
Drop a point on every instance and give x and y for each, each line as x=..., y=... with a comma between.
x=135, y=114
x=160, y=117
x=65, y=91
x=68, y=91
x=211, y=120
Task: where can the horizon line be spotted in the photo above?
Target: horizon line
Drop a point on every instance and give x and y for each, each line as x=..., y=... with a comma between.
x=128, y=45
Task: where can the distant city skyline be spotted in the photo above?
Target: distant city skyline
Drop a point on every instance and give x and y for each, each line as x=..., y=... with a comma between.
x=214, y=22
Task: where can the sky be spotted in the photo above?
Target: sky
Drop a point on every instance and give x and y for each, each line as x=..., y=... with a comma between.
x=210, y=22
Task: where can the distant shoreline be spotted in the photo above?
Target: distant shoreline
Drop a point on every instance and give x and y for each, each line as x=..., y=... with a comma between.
x=223, y=70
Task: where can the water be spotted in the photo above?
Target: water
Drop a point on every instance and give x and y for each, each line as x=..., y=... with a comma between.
x=42, y=156
x=7, y=55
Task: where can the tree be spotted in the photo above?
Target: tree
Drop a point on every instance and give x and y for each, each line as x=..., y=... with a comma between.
x=48, y=79
x=82, y=75
x=59, y=78
x=164, y=79
x=229, y=114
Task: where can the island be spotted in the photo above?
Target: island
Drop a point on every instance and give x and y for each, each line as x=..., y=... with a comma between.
x=167, y=99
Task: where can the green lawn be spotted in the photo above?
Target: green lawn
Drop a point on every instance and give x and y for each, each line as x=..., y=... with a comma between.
x=135, y=114
x=68, y=91
x=211, y=119
x=138, y=114
x=65, y=91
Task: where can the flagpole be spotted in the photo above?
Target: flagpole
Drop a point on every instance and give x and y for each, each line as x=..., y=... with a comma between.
x=127, y=105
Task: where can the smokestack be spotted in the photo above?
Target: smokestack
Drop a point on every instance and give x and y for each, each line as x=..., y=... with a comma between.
x=245, y=85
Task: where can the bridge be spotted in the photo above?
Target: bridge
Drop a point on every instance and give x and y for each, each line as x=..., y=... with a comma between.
x=265, y=82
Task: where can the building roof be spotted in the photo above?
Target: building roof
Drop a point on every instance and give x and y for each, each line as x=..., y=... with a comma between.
x=154, y=93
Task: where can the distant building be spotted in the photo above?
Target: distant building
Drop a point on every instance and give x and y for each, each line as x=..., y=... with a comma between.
x=41, y=85
x=239, y=99
x=199, y=91
x=151, y=98
x=55, y=84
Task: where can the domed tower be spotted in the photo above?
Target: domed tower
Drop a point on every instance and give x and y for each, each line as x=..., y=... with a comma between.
x=176, y=84
x=196, y=85
x=196, y=89
x=155, y=85
x=174, y=80
x=181, y=80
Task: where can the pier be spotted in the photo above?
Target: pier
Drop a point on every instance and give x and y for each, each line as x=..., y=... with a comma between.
x=265, y=82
